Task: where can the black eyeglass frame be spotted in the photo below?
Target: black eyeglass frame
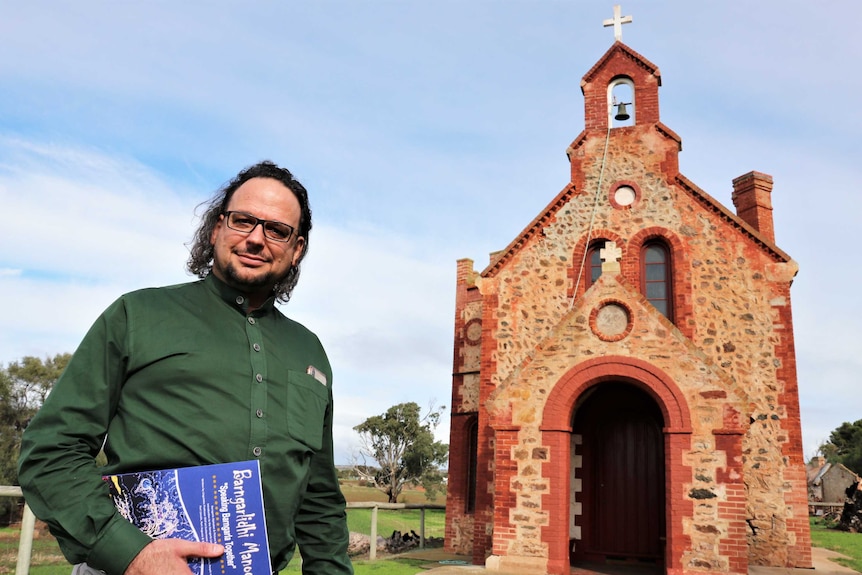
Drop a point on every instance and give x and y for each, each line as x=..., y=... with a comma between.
x=259, y=222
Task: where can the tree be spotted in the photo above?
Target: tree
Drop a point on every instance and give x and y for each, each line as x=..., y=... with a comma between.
x=23, y=387
x=402, y=443
x=845, y=446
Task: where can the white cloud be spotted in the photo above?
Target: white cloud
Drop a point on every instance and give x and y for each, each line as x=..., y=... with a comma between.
x=86, y=228
x=383, y=312
x=88, y=216
x=106, y=226
x=116, y=120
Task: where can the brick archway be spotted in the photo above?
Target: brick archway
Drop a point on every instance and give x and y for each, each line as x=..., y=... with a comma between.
x=556, y=432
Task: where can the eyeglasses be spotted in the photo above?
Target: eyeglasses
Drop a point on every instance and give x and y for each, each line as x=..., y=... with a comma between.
x=245, y=223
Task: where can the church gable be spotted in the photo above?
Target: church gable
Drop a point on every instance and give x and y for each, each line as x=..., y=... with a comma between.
x=545, y=270
x=613, y=60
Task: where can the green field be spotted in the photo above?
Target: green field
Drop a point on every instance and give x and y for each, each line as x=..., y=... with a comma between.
x=359, y=520
x=47, y=559
x=849, y=544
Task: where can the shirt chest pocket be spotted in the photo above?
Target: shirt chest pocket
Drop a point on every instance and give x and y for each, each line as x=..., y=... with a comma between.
x=305, y=408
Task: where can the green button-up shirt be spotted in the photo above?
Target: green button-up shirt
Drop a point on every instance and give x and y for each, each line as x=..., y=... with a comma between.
x=179, y=376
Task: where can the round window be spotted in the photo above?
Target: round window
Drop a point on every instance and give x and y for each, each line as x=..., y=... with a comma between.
x=624, y=196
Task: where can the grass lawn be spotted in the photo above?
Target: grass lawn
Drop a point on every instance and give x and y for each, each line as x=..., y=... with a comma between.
x=849, y=544
x=45, y=560
x=405, y=520
x=379, y=567
x=389, y=520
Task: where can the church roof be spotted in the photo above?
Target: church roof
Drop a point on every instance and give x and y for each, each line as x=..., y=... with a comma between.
x=619, y=47
x=717, y=207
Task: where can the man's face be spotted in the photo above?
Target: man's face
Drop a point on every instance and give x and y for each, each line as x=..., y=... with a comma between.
x=251, y=262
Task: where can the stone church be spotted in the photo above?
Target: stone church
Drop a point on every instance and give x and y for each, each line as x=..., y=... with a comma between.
x=624, y=384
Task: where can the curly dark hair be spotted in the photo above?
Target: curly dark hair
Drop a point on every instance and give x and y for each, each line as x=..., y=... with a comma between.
x=201, y=256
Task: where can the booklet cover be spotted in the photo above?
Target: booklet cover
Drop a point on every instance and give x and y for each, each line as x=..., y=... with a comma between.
x=220, y=503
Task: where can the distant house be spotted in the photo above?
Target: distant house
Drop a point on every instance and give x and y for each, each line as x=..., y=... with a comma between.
x=828, y=482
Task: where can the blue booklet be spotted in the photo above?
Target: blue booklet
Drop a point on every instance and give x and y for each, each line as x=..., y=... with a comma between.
x=220, y=503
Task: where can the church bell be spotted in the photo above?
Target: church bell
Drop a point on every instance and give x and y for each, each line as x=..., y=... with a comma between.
x=622, y=114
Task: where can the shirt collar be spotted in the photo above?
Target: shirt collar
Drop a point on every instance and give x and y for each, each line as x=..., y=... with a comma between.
x=235, y=298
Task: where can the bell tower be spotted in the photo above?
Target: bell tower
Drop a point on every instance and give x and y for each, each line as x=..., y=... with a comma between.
x=621, y=109
x=621, y=76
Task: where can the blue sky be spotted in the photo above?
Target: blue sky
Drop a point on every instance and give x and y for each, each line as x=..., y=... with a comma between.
x=425, y=132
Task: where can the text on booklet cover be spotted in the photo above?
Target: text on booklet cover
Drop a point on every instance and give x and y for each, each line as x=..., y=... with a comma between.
x=220, y=503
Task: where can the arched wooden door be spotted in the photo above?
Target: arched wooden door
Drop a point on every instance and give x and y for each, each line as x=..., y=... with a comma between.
x=622, y=476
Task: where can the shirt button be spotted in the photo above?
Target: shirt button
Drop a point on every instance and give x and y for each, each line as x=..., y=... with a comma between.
x=259, y=413
x=256, y=347
x=251, y=320
x=256, y=451
x=259, y=378
x=239, y=299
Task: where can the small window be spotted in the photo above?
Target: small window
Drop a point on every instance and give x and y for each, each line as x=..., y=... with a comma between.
x=594, y=262
x=472, y=463
x=656, y=277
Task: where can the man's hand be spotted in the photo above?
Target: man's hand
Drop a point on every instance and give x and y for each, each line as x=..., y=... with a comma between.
x=170, y=557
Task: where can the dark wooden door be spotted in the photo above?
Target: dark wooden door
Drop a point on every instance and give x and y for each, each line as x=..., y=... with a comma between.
x=622, y=497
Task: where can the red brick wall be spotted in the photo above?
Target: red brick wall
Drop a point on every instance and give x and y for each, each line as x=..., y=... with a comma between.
x=800, y=553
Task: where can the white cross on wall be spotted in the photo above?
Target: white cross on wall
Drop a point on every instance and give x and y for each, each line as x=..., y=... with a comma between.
x=617, y=22
x=610, y=253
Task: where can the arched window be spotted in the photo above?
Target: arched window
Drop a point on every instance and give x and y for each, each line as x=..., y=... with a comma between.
x=472, y=463
x=656, y=277
x=594, y=262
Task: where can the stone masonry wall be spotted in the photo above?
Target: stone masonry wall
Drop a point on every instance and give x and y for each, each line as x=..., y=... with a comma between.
x=734, y=294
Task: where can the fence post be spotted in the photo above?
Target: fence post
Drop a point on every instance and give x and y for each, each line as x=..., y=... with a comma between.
x=25, y=544
x=422, y=528
x=375, y=506
x=372, y=550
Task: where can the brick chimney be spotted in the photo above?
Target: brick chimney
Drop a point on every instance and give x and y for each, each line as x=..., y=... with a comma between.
x=752, y=197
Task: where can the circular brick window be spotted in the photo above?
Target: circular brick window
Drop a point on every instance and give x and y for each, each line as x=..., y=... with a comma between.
x=624, y=195
x=611, y=321
x=473, y=331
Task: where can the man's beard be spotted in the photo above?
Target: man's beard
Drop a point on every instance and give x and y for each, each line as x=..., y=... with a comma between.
x=250, y=284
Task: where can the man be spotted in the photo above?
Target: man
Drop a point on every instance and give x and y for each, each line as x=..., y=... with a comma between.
x=199, y=373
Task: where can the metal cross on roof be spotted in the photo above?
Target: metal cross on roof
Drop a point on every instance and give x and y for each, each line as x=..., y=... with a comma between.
x=617, y=22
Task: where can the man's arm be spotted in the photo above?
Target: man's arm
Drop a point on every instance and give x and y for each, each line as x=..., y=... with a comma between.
x=321, y=523
x=57, y=468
